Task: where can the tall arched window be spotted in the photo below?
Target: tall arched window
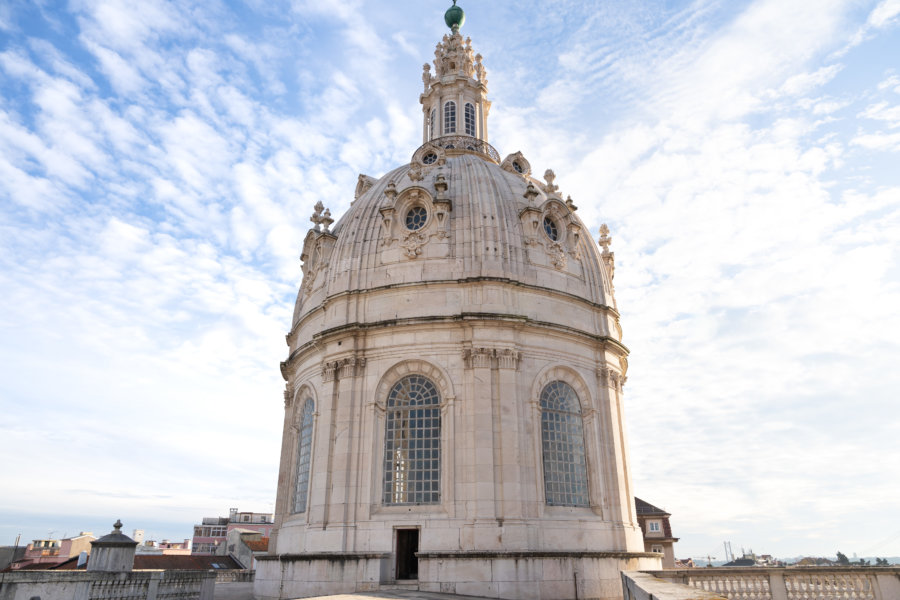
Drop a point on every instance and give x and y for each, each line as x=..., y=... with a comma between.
x=449, y=118
x=431, y=124
x=304, y=450
x=470, y=119
x=412, y=443
x=562, y=437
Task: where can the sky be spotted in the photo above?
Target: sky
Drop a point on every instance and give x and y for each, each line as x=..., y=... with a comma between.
x=159, y=161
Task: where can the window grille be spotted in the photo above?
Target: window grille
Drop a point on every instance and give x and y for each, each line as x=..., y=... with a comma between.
x=412, y=443
x=304, y=449
x=449, y=118
x=562, y=437
x=470, y=119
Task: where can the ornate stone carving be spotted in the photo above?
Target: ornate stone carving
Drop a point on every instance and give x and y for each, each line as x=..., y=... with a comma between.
x=318, y=263
x=574, y=231
x=477, y=357
x=570, y=204
x=426, y=75
x=441, y=186
x=549, y=188
x=363, y=185
x=507, y=358
x=454, y=56
x=350, y=366
x=416, y=172
x=390, y=191
x=316, y=217
x=328, y=370
x=516, y=163
x=557, y=255
x=480, y=71
x=387, y=219
x=611, y=378
x=412, y=243
x=530, y=193
x=321, y=219
x=288, y=397
x=609, y=258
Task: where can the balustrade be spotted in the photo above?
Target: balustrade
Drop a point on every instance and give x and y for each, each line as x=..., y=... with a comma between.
x=789, y=583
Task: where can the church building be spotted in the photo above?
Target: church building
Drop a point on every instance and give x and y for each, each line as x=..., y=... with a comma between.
x=453, y=410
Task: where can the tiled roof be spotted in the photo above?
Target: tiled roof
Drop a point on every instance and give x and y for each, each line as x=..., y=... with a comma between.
x=170, y=562
x=645, y=508
x=36, y=566
x=175, y=561
x=260, y=545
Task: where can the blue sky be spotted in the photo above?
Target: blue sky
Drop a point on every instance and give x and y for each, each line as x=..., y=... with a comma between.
x=159, y=162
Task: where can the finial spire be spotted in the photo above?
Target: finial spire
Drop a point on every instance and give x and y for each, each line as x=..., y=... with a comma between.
x=454, y=17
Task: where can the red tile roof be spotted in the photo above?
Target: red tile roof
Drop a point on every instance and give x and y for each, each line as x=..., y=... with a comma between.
x=260, y=545
x=170, y=562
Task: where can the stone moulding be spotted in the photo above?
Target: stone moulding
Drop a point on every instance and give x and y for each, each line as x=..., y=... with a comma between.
x=507, y=358
x=325, y=556
x=463, y=143
x=504, y=280
x=487, y=554
x=607, y=341
x=350, y=366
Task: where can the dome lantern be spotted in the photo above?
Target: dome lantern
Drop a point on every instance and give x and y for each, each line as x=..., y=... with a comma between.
x=454, y=101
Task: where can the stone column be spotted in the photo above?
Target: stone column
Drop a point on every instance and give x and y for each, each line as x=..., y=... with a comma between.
x=509, y=418
x=320, y=469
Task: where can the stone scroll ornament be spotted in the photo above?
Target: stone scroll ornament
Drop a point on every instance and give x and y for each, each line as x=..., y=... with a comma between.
x=412, y=243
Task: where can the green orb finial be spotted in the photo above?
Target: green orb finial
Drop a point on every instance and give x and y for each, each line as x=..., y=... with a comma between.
x=454, y=17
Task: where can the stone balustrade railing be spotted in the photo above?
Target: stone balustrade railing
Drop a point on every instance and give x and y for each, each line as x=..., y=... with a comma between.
x=98, y=585
x=759, y=583
x=466, y=143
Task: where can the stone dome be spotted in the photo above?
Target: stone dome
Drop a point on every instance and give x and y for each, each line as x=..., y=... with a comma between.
x=454, y=414
x=427, y=227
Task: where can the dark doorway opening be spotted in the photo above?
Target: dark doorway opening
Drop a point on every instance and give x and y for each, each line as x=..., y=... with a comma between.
x=407, y=546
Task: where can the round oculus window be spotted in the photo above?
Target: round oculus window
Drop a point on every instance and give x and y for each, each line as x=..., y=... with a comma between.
x=549, y=228
x=518, y=167
x=416, y=217
x=430, y=158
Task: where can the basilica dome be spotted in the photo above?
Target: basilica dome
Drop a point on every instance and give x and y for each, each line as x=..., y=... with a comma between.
x=454, y=412
x=454, y=217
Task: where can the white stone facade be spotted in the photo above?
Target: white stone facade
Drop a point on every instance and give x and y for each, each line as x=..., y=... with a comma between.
x=463, y=272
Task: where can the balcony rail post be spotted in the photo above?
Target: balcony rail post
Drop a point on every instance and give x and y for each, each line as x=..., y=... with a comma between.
x=776, y=585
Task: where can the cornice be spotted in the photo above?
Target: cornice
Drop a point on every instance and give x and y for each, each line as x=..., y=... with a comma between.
x=441, y=282
x=521, y=320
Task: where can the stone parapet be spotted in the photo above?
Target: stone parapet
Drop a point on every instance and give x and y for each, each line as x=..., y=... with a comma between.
x=82, y=585
x=644, y=586
x=786, y=583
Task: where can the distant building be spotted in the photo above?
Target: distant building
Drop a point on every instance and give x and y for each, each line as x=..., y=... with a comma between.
x=149, y=547
x=244, y=545
x=10, y=554
x=658, y=536
x=50, y=552
x=211, y=534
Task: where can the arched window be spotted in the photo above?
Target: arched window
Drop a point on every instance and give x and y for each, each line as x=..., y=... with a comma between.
x=562, y=437
x=470, y=119
x=412, y=443
x=449, y=118
x=431, y=124
x=304, y=449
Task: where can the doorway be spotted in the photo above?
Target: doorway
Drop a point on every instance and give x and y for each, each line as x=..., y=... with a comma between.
x=407, y=546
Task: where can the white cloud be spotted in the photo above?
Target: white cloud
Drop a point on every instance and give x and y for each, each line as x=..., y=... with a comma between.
x=754, y=235
x=882, y=111
x=888, y=142
x=885, y=13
